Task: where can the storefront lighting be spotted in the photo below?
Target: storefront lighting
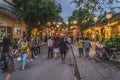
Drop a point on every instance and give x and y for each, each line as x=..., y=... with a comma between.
x=49, y=24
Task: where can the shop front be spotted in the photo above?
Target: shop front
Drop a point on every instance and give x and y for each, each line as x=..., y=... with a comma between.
x=10, y=26
x=93, y=33
x=111, y=30
x=104, y=31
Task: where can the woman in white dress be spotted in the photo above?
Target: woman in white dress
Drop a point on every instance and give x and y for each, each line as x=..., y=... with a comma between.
x=55, y=47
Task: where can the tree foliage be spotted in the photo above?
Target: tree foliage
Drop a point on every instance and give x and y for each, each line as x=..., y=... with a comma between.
x=32, y=11
x=84, y=18
x=98, y=5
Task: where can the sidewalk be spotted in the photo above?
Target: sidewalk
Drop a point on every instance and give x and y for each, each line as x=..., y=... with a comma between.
x=91, y=70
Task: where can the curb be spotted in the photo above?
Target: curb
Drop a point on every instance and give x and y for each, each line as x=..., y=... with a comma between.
x=75, y=67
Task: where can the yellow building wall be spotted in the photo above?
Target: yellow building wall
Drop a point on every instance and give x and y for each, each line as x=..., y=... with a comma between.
x=109, y=30
x=12, y=22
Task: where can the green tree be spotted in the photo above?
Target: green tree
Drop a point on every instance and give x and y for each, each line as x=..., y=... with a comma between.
x=32, y=11
x=84, y=18
x=98, y=5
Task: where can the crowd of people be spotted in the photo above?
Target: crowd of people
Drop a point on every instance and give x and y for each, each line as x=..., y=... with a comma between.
x=24, y=49
x=57, y=48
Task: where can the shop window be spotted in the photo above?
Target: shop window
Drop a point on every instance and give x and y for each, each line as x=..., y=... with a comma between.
x=2, y=33
x=17, y=30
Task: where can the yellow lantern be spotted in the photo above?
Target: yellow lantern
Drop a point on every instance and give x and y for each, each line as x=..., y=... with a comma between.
x=75, y=22
x=108, y=16
x=95, y=19
x=60, y=23
x=71, y=27
x=58, y=26
x=67, y=23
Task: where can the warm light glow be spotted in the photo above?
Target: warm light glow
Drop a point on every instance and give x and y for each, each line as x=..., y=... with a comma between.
x=53, y=31
x=66, y=29
x=75, y=22
x=95, y=19
x=113, y=23
x=71, y=27
x=49, y=24
x=108, y=16
x=67, y=23
x=60, y=23
x=58, y=26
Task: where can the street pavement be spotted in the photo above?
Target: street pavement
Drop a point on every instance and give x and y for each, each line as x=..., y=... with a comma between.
x=92, y=70
x=43, y=69
x=52, y=69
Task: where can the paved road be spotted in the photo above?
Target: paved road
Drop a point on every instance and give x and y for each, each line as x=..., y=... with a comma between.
x=43, y=69
x=52, y=69
x=92, y=70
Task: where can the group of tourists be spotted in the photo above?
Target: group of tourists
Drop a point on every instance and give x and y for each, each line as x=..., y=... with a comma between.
x=24, y=49
x=57, y=48
x=84, y=46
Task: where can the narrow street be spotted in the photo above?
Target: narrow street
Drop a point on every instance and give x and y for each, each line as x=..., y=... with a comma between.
x=52, y=69
x=43, y=69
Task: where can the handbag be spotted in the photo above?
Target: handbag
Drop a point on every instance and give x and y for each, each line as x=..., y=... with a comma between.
x=2, y=62
x=19, y=59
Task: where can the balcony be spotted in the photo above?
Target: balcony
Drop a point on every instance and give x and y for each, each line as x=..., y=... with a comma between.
x=7, y=8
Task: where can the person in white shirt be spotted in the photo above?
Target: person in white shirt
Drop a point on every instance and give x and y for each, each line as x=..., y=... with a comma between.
x=50, y=48
x=69, y=40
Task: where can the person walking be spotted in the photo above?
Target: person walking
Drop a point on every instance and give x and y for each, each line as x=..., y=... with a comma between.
x=80, y=46
x=63, y=49
x=69, y=40
x=32, y=48
x=50, y=48
x=19, y=43
x=38, y=42
x=87, y=46
x=24, y=51
x=7, y=53
x=55, y=47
